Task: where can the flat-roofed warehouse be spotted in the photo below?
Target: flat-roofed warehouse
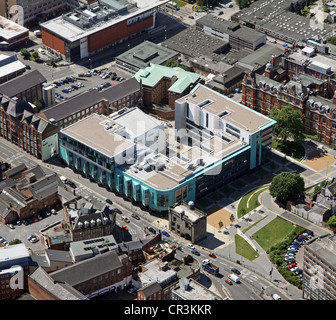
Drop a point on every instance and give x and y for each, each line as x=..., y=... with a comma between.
x=12, y=34
x=236, y=35
x=84, y=32
x=274, y=18
x=143, y=55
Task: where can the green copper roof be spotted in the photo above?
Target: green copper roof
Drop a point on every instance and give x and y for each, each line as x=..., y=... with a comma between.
x=154, y=73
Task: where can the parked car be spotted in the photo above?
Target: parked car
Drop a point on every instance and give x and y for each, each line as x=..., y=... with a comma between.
x=35, y=239
x=165, y=233
x=31, y=236
x=228, y=281
x=131, y=290
x=212, y=255
x=9, y=225
x=289, y=259
x=195, y=252
x=291, y=265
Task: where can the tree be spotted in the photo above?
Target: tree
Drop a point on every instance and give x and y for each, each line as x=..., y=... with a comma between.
x=289, y=123
x=220, y=224
x=171, y=63
x=15, y=241
x=35, y=56
x=25, y=54
x=38, y=105
x=285, y=185
x=242, y=3
x=331, y=40
x=332, y=222
x=232, y=218
x=52, y=63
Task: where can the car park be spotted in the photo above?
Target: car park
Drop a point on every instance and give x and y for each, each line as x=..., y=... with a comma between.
x=195, y=252
x=165, y=233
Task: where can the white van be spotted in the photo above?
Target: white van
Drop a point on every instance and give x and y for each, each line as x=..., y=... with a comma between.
x=234, y=278
x=276, y=297
x=64, y=179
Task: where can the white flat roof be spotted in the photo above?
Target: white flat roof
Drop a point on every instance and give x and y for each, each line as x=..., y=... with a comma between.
x=11, y=29
x=11, y=68
x=72, y=33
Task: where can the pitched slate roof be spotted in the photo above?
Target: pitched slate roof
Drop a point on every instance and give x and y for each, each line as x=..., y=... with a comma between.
x=89, y=98
x=22, y=83
x=87, y=269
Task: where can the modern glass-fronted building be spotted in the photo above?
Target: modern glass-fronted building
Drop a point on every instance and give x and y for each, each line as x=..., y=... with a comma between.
x=215, y=140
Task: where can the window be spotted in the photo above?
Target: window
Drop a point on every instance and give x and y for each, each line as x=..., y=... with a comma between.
x=207, y=120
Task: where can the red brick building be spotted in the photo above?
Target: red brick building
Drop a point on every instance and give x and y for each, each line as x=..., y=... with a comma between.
x=263, y=94
x=97, y=27
x=27, y=192
x=83, y=280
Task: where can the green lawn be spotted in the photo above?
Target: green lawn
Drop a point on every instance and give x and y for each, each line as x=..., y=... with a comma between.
x=250, y=201
x=273, y=233
x=244, y=249
x=180, y=3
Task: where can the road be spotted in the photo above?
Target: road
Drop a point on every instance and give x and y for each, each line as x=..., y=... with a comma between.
x=248, y=289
